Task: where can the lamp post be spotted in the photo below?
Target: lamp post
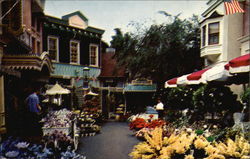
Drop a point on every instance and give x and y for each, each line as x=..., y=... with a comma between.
x=85, y=77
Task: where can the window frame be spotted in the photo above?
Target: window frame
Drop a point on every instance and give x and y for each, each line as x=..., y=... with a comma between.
x=57, y=47
x=78, y=51
x=97, y=55
x=213, y=34
x=204, y=35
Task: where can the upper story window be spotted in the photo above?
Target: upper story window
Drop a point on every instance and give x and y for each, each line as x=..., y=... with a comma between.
x=74, y=52
x=203, y=42
x=213, y=33
x=53, y=48
x=94, y=55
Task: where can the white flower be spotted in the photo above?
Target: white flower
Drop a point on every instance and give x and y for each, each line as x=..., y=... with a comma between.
x=215, y=126
x=205, y=126
x=189, y=130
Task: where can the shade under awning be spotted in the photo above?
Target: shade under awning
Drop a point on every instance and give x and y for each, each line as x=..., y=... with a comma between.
x=239, y=64
x=57, y=89
x=171, y=83
x=196, y=77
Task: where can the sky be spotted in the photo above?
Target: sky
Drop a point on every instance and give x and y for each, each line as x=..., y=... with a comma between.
x=108, y=15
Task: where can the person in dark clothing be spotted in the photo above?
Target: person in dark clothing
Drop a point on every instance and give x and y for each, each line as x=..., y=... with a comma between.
x=33, y=112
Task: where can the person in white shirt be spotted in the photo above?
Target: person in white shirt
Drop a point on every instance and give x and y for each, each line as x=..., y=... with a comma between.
x=160, y=108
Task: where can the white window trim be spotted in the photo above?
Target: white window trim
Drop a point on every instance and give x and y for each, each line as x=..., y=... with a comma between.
x=57, y=45
x=78, y=51
x=97, y=56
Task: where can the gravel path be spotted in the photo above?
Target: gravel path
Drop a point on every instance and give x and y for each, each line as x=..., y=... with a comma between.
x=114, y=142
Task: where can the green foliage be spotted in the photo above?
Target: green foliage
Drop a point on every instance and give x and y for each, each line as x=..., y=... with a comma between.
x=215, y=99
x=160, y=51
x=245, y=97
x=180, y=98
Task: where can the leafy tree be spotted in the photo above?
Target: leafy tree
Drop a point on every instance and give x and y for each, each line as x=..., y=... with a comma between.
x=162, y=51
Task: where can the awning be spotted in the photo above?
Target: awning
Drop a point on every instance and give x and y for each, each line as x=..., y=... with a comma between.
x=216, y=73
x=57, y=89
x=27, y=62
x=171, y=83
x=196, y=77
x=182, y=80
x=239, y=65
x=140, y=88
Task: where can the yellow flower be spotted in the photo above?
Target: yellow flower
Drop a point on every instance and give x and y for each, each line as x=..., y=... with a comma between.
x=211, y=150
x=215, y=156
x=167, y=151
x=189, y=157
x=200, y=142
x=245, y=157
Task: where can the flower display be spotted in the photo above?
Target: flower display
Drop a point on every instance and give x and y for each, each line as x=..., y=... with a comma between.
x=189, y=145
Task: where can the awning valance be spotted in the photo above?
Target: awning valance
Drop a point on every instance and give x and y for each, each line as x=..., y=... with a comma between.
x=27, y=62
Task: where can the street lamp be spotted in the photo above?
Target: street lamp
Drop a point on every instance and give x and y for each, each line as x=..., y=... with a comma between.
x=85, y=77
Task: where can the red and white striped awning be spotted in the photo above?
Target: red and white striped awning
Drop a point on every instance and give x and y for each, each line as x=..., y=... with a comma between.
x=216, y=73
x=196, y=77
x=239, y=64
x=171, y=83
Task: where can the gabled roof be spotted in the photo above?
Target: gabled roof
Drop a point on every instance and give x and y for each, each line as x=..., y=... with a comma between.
x=66, y=17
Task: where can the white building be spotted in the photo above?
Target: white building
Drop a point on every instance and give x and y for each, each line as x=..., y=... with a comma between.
x=224, y=37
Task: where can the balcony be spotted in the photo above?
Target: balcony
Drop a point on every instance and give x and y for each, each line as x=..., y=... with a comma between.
x=211, y=50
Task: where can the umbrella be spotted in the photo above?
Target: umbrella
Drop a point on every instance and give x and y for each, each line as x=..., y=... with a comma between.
x=57, y=89
x=92, y=93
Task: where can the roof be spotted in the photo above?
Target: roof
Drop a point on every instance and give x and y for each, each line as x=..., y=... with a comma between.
x=67, y=16
x=110, y=67
x=65, y=22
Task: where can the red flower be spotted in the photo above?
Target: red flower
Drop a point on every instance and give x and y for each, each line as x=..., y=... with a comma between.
x=151, y=115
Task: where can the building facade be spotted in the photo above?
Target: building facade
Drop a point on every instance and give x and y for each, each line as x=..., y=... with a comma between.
x=23, y=64
x=224, y=37
x=73, y=46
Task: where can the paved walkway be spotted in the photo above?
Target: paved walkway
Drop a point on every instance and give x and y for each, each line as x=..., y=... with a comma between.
x=114, y=142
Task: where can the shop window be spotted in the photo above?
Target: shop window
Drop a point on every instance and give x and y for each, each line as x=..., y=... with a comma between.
x=74, y=52
x=203, y=43
x=93, y=55
x=53, y=48
x=213, y=33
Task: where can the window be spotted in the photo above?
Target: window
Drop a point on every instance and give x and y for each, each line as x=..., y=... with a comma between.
x=203, y=43
x=94, y=55
x=53, y=48
x=213, y=31
x=74, y=52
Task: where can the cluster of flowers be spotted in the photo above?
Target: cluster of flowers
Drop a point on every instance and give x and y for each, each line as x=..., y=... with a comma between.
x=61, y=118
x=187, y=144
x=19, y=149
x=140, y=123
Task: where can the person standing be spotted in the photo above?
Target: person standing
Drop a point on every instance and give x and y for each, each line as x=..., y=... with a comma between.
x=160, y=108
x=34, y=109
